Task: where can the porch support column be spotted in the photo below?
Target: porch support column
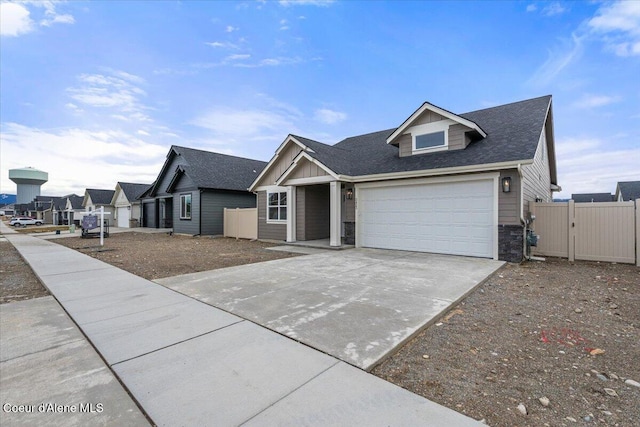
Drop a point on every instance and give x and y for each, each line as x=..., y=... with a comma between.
x=335, y=207
x=291, y=214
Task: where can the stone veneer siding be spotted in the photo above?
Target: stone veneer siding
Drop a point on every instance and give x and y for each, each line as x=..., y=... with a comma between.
x=510, y=243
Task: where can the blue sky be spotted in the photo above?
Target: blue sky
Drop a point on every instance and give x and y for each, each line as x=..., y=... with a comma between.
x=97, y=92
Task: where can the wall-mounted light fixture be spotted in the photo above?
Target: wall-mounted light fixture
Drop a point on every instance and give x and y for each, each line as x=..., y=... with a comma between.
x=506, y=184
x=349, y=193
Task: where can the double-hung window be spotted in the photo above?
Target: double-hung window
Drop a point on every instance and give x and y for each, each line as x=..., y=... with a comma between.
x=185, y=206
x=277, y=206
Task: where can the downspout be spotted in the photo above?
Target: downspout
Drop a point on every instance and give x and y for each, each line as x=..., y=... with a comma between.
x=200, y=212
x=522, y=220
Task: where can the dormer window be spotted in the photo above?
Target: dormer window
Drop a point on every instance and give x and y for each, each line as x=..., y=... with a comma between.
x=430, y=140
x=430, y=136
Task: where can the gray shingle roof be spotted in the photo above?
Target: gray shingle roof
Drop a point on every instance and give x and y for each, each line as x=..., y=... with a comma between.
x=630, y=190
x=100, y=197
x=219, y=171
x=76, y=201
x=133, y=190
x=592, y=197
x=513, y=131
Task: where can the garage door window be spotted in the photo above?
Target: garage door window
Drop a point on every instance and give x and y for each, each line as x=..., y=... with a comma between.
x=277, y=206
x=185, y=206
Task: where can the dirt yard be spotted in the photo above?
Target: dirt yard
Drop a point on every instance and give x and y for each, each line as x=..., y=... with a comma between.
x=566, y=332
x=17, y=281
x=154, y=256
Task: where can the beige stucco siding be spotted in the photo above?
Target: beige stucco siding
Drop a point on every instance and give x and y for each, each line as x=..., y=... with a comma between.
x=268, y=231
x=284, y=160
x=306, y=169
x=509, y=203
x=536, y=179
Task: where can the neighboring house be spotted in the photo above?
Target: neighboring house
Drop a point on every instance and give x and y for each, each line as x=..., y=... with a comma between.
x=627, y=190
x=126, y=203
x=68, y=207
x=194, y=187
x=592, y=197
x=95, y=199
x=440, y=182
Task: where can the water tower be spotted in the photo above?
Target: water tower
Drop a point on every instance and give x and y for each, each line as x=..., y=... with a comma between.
x=29, y=180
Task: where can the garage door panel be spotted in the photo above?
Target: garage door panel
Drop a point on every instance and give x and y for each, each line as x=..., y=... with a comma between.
x=452, y=218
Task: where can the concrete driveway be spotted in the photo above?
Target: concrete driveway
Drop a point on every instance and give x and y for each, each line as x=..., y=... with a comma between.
x=356, y=305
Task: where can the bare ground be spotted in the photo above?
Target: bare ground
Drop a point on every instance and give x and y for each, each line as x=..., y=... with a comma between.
x=17, y=281
x=565, y=331
x=158, y=255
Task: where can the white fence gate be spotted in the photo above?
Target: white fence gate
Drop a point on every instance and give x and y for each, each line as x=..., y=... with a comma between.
x=588, y=231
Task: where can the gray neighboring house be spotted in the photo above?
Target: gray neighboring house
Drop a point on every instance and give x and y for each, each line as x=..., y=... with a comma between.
x=95, y=198
x=440, y=182
x=627, y=190
x=592, y=197
x=194, y=186
x=127, y=203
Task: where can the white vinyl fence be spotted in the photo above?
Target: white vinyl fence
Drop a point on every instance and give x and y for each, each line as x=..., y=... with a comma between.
x=589, y=231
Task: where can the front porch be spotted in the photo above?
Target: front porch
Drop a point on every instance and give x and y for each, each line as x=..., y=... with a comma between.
x=321, y=215
x=321, y=244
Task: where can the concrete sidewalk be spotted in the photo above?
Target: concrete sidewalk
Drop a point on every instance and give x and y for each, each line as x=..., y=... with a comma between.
x=187, y=363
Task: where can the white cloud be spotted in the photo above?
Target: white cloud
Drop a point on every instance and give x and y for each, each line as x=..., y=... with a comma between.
x=116, y=91
x=231, y=29
x=143, y=132
x=532, y=8
x=58, y=19
x=558, y=59
x=329, y=117
x=223, y=45
x=283, y=25
x=594, y=101
x=552, y=9
x=240, y=123
x=14, y=20
x=237, y=57
x=619, y=25
x=587, y=165
x=79, y=158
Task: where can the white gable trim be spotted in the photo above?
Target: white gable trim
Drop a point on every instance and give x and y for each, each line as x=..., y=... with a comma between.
x=292, y=167
x=289, y=139
x=449, y=115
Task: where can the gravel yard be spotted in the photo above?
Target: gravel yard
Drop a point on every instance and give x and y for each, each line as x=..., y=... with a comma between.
x=17, y=281
x=158, y=255
x=565, y=332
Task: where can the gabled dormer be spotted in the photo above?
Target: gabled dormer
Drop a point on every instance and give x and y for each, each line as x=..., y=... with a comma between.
x=432, y=129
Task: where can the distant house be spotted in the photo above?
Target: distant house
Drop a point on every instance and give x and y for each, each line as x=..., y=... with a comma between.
x=127, y=204
x=94, y=199
x=194, y=186
x=627, y=190
x=67, y=209
x=592, y=197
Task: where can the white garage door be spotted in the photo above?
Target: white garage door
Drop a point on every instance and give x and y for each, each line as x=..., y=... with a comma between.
x=123, y=217
x=448, y=218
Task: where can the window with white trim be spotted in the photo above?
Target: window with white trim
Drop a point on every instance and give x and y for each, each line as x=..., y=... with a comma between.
x=430, y=140
x=185, y=206
x=277, y=206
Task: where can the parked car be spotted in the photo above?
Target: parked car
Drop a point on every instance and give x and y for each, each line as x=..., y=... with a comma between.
x=21, y=221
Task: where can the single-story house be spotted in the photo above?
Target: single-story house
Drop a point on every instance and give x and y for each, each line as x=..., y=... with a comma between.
x=94, y=199
x=439, y=182
x=592, y=197
x=194, y=186
x=126, y=203
x=627, y=190
x=67, y=207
